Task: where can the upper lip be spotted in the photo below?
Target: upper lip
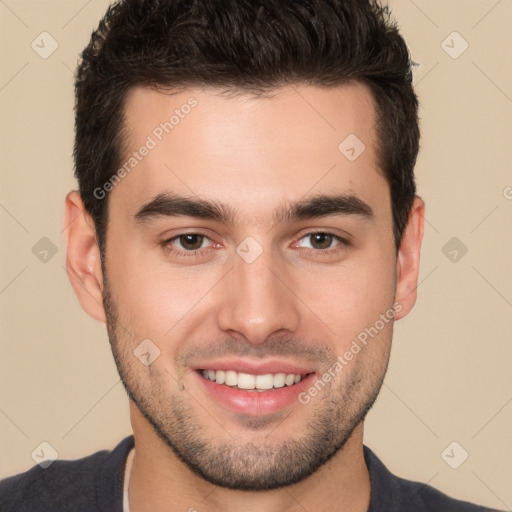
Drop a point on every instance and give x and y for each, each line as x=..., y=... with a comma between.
x=255, y=367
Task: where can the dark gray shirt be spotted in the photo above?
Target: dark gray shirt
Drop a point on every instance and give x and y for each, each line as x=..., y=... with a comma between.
x=95, y=484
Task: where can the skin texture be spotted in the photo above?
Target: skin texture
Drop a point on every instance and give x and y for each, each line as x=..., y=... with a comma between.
x=296, y=302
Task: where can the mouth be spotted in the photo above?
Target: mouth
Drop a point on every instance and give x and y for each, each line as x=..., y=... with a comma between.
x=255, y=391
x=252, y=382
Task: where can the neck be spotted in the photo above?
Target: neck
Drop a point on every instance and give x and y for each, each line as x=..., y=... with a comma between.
x=161, y=481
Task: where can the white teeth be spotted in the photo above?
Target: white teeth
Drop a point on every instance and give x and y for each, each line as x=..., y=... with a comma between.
x=265, y=381
x=248, y=381
x=231, y=378
x=279, y=379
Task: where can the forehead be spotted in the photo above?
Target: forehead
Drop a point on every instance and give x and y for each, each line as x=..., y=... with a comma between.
x=247, y=150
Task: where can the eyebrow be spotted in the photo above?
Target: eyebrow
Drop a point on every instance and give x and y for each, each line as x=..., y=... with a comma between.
x=323, y=205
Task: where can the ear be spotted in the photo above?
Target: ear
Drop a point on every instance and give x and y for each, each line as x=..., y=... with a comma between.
x=408, y=260
x=83, y=263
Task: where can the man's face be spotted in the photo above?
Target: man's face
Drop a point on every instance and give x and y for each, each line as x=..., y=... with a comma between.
x=256, y=292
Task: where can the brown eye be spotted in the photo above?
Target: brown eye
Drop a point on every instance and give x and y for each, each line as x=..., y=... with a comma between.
x=323, y=243
x=195, y=245
x=321, y=240
x=190, y=241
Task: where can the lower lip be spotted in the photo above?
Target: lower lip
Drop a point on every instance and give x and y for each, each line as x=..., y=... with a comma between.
x=255, y=403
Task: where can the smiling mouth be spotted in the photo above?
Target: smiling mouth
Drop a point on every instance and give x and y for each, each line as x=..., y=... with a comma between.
x=251, y=382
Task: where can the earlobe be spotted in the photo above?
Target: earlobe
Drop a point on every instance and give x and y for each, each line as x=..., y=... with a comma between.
x=408, y=260
x=83, y=263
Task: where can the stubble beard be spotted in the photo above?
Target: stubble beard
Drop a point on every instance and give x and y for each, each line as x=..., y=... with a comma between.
x=235, y=463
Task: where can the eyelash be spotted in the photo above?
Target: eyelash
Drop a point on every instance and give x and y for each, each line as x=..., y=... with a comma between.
x=343, y=243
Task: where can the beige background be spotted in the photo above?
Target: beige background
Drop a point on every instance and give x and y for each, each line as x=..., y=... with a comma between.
x=450, y=373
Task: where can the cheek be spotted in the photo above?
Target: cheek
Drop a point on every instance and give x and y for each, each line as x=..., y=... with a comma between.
x=349, y=297
x=153, y=296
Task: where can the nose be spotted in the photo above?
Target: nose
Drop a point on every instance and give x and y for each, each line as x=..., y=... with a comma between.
x=258, y=300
